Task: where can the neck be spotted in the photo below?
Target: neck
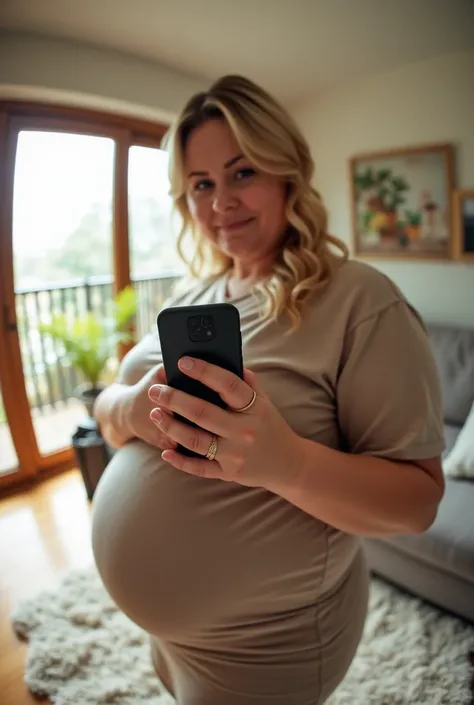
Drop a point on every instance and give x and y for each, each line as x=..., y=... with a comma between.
x=250, y=272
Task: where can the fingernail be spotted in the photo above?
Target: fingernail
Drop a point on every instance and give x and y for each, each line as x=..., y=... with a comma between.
x=155, y=392
x=186, y=363
x=156, y=415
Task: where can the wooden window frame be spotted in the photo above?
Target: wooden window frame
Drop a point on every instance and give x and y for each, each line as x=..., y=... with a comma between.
x=126, y=132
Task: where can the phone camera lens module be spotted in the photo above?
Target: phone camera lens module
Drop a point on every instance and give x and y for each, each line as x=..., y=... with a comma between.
x=201, y=328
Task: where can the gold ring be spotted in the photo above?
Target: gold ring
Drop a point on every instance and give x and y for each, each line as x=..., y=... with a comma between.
x=211, y=453
x=247, y=406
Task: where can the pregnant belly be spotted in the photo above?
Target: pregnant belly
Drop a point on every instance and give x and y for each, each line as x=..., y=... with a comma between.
x=183, y=555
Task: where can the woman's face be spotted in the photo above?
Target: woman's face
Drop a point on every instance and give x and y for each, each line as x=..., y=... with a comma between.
x=239, y=207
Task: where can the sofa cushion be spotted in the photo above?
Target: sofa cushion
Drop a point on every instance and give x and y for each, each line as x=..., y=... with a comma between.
x=460, y=461
x=453, y=349
x=449, y=542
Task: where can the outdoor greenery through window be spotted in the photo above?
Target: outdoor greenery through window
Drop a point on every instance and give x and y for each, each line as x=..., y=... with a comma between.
x=62, y=237
x=152, y=226
x=88, y=224
x=153, y=229
x=63, y=256
x=62, y=217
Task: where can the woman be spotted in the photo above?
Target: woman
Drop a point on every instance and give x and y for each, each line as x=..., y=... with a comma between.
x=246, y=565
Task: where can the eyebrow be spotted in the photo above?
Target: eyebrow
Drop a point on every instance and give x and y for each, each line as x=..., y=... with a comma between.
x=227, y=165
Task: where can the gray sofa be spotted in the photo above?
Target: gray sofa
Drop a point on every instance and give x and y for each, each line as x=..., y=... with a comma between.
x=439, y=564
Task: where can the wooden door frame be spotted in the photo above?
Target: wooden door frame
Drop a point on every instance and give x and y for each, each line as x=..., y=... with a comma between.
x=15, y=399
x=126, y=132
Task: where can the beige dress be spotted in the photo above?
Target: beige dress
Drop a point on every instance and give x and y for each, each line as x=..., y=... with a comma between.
x=247, y=598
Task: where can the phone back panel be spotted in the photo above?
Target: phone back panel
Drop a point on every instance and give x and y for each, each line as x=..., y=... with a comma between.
x=178, y=338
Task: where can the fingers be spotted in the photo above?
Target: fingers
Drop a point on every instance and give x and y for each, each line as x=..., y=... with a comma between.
x=251, y=379
x=164, y=441
x=193, y=466
x=190, y=437
x=208, y=416
x=236, y=392
x=161, y=375
x=155, y=436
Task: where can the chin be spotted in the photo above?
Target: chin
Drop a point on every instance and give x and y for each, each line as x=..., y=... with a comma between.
x=235, y=246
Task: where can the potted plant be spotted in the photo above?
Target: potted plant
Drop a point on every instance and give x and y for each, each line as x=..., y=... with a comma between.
x=90, y=340
x=385, y=194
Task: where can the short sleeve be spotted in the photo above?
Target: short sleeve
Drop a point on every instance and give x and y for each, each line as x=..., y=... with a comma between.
x=388, y=394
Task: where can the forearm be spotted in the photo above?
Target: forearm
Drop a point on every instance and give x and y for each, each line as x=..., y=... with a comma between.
x=111, y=412
x=361, y=494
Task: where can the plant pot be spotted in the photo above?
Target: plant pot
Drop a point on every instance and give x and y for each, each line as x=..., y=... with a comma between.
x=87, y=394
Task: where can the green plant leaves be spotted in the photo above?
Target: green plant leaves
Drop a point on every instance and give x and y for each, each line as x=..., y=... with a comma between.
x=125, y=307
x=413, y=217
x=399, y=184
x=89, y=340
x=388, y=188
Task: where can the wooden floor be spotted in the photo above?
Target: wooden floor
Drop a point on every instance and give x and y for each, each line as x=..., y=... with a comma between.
x=44, y=532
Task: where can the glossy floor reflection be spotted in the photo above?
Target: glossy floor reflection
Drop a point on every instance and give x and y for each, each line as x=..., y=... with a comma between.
x=44, y=533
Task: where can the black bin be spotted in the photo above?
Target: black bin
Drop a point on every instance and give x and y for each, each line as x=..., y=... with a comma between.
x=92, y=453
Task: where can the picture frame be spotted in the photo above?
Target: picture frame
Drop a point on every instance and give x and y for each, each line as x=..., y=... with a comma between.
x=401, y=203
x=463, y=224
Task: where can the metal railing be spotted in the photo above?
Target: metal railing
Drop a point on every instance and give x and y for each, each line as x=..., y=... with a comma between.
x=50, y=380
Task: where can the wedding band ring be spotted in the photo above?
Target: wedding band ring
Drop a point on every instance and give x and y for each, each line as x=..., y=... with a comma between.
x=211, y=453
x=247, y=406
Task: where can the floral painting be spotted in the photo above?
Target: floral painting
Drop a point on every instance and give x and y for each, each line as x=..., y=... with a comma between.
x=401, y=202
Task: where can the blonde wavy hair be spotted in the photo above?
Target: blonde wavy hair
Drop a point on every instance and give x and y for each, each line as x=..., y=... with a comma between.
x=271, y=140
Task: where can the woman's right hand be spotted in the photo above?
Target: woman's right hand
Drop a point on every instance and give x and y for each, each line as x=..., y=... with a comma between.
x=138, y=407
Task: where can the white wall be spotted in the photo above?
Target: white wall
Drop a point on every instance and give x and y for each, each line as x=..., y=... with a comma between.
x=41, y=68
x=429, y=101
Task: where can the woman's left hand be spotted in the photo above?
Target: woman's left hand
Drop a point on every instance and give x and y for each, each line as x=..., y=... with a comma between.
x=256, y=448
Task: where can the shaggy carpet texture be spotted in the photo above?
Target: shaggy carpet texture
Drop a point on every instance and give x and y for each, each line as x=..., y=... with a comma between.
x=83, y=651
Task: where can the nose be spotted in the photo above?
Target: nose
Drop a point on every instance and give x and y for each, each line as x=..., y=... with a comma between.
x=224, y=200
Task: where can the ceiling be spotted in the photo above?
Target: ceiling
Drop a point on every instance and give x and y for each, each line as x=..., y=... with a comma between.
x=294, y=48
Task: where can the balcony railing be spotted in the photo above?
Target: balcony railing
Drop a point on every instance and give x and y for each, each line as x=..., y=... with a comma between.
x=50, y=380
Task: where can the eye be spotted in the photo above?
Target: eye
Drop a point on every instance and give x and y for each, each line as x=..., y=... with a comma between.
x=202, y=185
x=245, y=173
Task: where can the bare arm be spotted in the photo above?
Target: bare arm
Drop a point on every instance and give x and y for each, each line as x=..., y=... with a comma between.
x=123, y=412
x=111, y=410
x=362, y=494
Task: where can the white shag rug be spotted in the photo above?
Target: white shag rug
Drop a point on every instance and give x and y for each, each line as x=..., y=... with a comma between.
x=83, y=651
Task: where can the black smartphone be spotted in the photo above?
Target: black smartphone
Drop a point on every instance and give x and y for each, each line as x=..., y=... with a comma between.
x=208, y=332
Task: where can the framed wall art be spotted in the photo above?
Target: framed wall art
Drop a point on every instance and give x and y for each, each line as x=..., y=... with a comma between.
x=463, y=225
x=401, y=203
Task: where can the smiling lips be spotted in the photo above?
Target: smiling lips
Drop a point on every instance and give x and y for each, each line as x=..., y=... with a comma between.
x=234, y=226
